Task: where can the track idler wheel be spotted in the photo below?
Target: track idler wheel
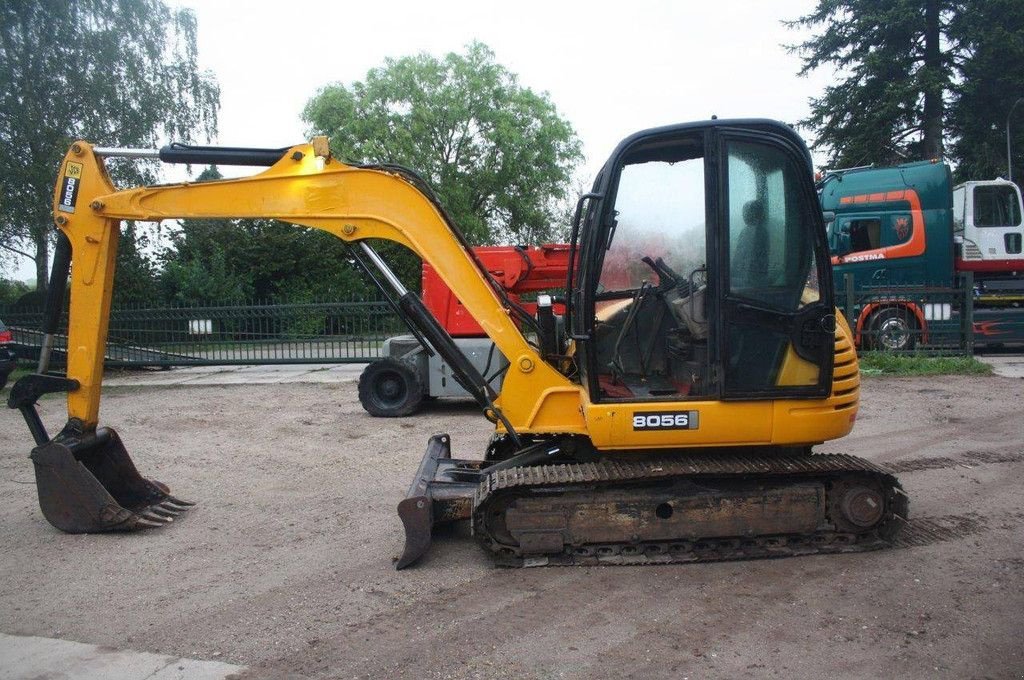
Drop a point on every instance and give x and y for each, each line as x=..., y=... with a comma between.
x=862, y=506
x=858, y=505
x=87, y=483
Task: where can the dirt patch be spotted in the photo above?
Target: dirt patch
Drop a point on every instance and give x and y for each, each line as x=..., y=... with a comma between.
x=285, y=565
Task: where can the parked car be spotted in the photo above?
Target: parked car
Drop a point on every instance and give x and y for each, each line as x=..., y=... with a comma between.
x=7, y=357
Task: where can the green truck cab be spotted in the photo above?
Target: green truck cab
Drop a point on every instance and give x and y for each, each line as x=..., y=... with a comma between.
x=902, y=239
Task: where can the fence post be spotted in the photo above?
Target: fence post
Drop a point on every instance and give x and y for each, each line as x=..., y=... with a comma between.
x=850, y=299
x=967, y=285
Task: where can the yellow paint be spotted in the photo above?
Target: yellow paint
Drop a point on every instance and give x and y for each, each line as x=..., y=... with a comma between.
x=720, y=424
x=796, y=371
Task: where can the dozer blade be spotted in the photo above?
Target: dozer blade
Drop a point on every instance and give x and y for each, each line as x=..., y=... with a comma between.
x=418, y=521
x=441, y=492
x=88, y=484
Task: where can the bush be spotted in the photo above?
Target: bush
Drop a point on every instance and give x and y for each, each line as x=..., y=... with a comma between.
x=11, y=290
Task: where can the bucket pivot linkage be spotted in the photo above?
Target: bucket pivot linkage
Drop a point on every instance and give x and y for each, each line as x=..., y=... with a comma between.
x=86, y=480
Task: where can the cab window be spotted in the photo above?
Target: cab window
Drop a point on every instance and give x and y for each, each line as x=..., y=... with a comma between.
x=865, y=234
x=650, y=311
x=770, y=257
x=996, y=206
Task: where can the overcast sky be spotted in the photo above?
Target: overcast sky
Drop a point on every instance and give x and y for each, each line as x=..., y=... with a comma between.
x=610, y=69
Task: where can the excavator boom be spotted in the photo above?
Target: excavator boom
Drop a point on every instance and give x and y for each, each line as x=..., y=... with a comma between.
x=353, y=203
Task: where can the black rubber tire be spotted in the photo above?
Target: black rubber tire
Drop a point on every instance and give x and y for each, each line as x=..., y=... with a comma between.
x=892, y=330
x=389, y=388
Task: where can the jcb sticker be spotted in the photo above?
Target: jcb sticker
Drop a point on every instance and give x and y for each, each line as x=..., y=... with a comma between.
x=69, y=189
x=666, y=420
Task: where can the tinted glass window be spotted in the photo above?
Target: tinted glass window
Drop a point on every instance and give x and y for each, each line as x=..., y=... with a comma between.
x=651, y=332
x=659, y=212
x=770, y=255
x=773, y=275
x=865, y=235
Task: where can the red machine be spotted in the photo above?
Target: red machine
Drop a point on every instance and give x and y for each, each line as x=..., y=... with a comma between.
x=518, y=269
x=395, y=384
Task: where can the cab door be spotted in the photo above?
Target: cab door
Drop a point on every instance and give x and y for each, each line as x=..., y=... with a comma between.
x=777, y=319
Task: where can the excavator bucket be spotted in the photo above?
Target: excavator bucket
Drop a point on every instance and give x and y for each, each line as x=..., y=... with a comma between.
x=441, y=492
x=89, y=485
x=86, y=480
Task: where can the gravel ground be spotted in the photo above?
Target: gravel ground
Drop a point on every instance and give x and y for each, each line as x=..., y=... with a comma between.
x=285, y=566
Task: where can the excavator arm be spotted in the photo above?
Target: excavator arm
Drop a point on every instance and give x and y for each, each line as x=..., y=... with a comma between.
x=303, y=188
x=85, y=477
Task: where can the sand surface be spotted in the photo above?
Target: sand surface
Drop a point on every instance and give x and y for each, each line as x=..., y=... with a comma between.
x=286, y=564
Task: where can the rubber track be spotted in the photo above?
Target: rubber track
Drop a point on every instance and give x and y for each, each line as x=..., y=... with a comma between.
x=706, y=465
x=694, y=467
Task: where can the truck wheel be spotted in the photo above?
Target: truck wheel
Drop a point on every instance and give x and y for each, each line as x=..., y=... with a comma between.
x=893, y=329
x=389, y=388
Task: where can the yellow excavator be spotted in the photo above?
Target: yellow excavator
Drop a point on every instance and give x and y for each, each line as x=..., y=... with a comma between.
x=668, y=416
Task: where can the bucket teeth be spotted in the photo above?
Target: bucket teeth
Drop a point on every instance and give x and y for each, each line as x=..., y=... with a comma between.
x=143, y=523
x=166, y=510
x=157, y=515
x=87, y=483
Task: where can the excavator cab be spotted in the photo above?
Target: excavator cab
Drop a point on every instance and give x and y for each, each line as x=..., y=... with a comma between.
x=700, y=303
x=702, y=271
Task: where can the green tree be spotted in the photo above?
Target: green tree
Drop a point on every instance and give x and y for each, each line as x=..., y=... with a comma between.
x=499, y=155
x=11, y=290
x=991, y=67
x=136, y=280
x=917, y=79
x=264, y=260
x=121, y=73
x=886, y=105
x=209, y=279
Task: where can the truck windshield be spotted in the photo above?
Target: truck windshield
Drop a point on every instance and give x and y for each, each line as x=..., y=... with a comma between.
x=996, y=206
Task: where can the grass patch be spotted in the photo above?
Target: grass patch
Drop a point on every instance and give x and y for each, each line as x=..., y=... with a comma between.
x=886, y=363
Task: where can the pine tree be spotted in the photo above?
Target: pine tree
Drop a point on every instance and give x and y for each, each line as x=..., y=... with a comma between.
x=991, y=68
x=888, y=103
x=917, y=79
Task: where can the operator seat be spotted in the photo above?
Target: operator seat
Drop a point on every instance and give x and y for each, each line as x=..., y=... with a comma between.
x=748, y=262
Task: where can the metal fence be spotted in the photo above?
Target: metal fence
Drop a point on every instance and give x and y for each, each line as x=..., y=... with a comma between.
x=929, y=319
x=325, y=332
